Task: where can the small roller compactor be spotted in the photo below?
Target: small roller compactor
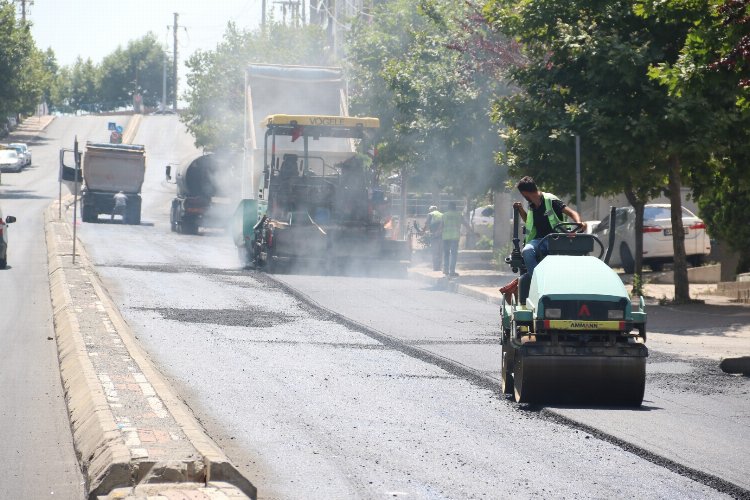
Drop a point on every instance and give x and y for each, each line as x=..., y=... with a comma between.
x=571, y=333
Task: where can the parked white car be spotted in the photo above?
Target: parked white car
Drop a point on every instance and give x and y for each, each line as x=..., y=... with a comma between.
x=482, y=220
x=657, y=237
x=10, y=161
x=23, y=150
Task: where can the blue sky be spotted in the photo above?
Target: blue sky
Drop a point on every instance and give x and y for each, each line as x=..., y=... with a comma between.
x=95, y=28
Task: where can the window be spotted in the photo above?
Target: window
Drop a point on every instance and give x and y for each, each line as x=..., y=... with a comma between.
x=655, y=213
x=604, y=224
x=621, y=216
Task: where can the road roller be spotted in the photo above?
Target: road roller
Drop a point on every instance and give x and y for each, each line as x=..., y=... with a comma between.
x=570, y=332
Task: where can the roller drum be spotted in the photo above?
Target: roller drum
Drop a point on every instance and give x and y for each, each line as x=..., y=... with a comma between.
x=616, y=380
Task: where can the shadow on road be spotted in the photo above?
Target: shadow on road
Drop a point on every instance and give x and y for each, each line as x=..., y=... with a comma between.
x=21, y=194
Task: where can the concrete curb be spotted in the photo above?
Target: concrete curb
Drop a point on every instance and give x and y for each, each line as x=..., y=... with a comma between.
x=454, y=287
x=218, y=466
x=132, y=130
x=103, y=455
x=105, y=459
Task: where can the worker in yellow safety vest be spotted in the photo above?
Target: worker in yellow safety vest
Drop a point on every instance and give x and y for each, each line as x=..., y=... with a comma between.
x=434, y=225
x=452, y=221
x=546, y=211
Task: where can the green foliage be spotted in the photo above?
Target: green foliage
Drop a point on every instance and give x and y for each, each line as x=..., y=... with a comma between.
x=82, y=90
x=484, y=243
x=216, y=91
x=721, y=188
x=138, y=68
x=716, y=51
x=637, y=289
x=431, y=99
x=713, y=66
x=586, y=73
x=21, y=65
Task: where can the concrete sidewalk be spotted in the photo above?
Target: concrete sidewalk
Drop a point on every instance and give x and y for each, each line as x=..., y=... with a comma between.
x=33, y=125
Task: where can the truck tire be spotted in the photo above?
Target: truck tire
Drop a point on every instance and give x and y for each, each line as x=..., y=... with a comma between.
x=87, y=214
x=134, y=217
x=188, y=226
x=626, y=257
x=173, y=218
x=134, y=212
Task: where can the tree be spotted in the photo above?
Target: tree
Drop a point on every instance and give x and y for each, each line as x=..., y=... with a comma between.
x=714, y=63
x=49, y=75
x=137, y=69
x=432, y=99
x=83, y=90
x=16, y=51
x=587, y=74
x=216, y=93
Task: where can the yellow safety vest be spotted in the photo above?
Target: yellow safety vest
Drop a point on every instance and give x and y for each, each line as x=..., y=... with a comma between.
x=451, y=225
x=549, y=212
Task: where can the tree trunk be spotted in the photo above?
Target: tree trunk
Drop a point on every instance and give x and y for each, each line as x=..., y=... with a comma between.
x=681, y=283
x=470, y=242
x=404, y=201
x=638, y=206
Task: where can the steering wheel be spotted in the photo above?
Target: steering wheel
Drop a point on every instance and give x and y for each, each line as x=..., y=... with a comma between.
x=573, y=228
x=568, y=227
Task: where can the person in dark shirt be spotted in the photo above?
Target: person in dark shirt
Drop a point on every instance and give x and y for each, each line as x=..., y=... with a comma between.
x=545, y=212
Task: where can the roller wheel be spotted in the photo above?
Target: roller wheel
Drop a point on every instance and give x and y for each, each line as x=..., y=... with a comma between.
x=520, y=392
x=626, y=257
x=506, y=384
x=632, y=394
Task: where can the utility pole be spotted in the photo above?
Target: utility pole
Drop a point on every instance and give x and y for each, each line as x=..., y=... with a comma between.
x=23, y=8
x=330, y=9
x=164, y=82
x=174, y=62
x=263, y=17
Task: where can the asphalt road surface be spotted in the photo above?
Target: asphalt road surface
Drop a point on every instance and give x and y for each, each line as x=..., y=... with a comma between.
x=692, y=414
x=309, y=405
x=36, y=456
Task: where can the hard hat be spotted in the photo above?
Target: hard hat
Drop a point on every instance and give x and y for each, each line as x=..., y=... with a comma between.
x=432, y=207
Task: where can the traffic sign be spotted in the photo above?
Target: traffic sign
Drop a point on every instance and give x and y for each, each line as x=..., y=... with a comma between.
x=111, y=126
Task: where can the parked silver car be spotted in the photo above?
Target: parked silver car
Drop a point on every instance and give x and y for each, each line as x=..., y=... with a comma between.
x=657, y=237
x=23, y=150
x=10, y=161
x=4, y=238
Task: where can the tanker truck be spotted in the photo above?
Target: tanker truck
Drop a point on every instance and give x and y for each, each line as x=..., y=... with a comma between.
x=107, y=170
x=207, y=191
x=308, y=184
